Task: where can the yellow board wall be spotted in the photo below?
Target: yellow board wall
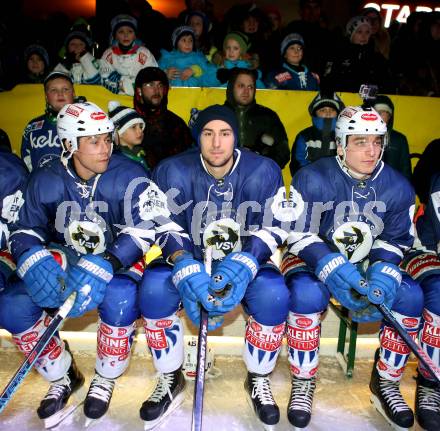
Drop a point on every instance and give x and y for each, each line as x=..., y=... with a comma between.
x=417, y=117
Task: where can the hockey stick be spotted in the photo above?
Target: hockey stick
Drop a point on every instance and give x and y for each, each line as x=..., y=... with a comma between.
x=35, y=353
x=415, y=348
x=199, y=384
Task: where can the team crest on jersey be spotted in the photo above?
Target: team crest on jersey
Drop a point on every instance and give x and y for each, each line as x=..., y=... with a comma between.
x=86, y=237
x=287, y=208
x=353, y=240
x=153, y=203
x=223, y=236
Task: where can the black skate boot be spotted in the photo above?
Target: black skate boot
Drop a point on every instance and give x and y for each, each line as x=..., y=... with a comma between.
x=53, y=408
x=166, y=397
x=299, y=409
x=98, y=397
x=259, y=395
x=388, y=400
x=428, y=404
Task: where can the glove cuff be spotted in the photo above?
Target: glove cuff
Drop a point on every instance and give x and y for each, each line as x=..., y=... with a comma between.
x=35, y=254
x=246, y=259
x=97, y=270
x=327, y=264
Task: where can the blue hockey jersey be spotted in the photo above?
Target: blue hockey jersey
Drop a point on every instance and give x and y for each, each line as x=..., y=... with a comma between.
x=244, y=210
x=428, y=225
x=120, y=211
x=13, y=175
x=40, y=142
x=333, y=212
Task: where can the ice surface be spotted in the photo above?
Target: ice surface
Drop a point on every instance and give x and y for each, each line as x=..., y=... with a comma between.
x=341, y=404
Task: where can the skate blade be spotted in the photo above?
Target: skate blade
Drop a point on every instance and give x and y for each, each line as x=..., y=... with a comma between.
x=264, y=426
x=75, y=400
x=90, y=422
x=378, y=406
x=149, y=425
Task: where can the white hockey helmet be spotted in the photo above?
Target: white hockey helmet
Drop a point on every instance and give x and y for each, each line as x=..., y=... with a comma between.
x=358, y=120
x=81, y=119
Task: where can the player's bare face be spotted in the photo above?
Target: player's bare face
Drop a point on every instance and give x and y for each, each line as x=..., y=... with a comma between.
x=217, y=147
x=362, y=153
x=93, y=155
x=59, y=92
x=125, y=35
x=152, y=92
x=244, y=90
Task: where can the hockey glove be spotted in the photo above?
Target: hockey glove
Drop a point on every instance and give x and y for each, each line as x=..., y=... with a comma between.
x=342, y=279
x=383, y=281
x=192, y=309
x=231, y=278
x=43, y=277
x=89, y=278
x=191, y=280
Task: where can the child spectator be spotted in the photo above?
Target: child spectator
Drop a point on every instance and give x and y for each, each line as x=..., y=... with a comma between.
x=317, y=140
x=78, y=60
x=235, y=46
x=293, y=74
x=125, y=58
x=183, y=66
x=201, y=25
x=36, y=64
x=129, y=127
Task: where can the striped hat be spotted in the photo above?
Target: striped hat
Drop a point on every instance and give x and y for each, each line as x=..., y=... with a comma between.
x=123, y=117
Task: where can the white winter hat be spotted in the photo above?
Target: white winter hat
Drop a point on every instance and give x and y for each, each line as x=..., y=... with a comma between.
x=123, y=117
x=355, y=23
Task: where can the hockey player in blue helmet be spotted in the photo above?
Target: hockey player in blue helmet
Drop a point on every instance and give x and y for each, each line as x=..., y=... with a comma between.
x=214, y=186
x=349, y=249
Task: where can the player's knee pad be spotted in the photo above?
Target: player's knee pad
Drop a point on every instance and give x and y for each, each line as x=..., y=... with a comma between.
x=431, y=291
x=113, y=349
x=158, y=297
x=409, y=298
x=267, y=298
x=17, y=310
x=120, y=304
x=307, y=294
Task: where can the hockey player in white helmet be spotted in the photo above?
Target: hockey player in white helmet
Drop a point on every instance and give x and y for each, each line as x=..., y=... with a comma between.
x=353, y=223
x=100, y=213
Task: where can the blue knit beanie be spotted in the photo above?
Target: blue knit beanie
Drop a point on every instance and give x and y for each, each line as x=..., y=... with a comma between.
x=215, y=112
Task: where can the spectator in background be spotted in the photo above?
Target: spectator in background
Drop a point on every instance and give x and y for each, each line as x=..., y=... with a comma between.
x=317, y=140
x=312, y=27
x=40, y=142
x=165, y=134
x=78, y=60
x=36, y=64
x=356, y=61
x=235, y=46
x=129, y=127
x=379, y=34
x=183, y=65
x=200, y=24
x=260, y=128
x=426, y=167
x=396, y=153
x=293, y=74
x=125, y=58
x=271, y=55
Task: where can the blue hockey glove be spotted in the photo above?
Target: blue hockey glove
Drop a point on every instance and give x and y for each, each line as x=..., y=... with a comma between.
x=383, y=281
x=89, y=278
x=191, y=280
x=192, y=309
x=43, y=277
x=231, y=278
x=342, y=279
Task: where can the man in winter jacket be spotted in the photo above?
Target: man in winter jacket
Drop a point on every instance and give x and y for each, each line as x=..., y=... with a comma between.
x=260, y=128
